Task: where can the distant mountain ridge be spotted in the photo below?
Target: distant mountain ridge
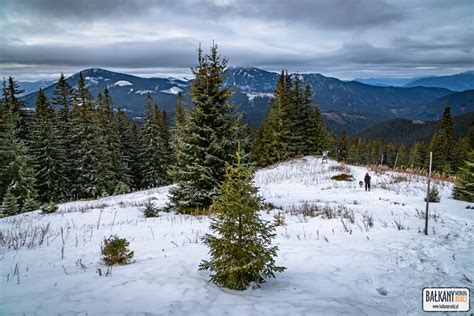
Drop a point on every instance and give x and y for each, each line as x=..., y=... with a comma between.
x=407, y=132
x=458, y=82
x=128, y=92
x=387, y=82
x=347, y=105
x=33, y=86
x=332, y=94
x=460, y=102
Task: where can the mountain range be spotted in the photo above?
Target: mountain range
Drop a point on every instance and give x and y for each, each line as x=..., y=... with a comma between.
x=387, y=82
x=458, y=82
x=33, y=86
x=400, y=130
x=346, y=105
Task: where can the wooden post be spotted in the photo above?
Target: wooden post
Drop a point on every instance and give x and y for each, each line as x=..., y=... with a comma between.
x=381, y=160
x=396, y=159
x=428, y=195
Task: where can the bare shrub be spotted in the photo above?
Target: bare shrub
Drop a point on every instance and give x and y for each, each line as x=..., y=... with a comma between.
x=349, y=215
x=339, y=168
x=24, y=237
x=270, y=206
x=346, y=226
x=399, y=224
x=305, y=209
x=420, y=214
x=398, y=179
x=379, y=169
x=367, y=220
x=435, y=216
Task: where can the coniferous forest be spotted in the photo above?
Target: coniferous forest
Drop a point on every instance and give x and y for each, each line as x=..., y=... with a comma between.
x=75, y=146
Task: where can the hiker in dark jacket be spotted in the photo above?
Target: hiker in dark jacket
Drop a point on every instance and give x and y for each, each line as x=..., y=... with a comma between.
x=367, y=181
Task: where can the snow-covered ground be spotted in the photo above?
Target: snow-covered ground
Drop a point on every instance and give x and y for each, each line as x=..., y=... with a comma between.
x=334, y=267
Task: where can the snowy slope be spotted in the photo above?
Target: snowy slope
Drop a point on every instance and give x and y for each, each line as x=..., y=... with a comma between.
x=330, y=271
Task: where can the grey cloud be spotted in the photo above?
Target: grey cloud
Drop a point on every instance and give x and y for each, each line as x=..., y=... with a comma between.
x=337, y=14
x=172, y=52
x=366, y=36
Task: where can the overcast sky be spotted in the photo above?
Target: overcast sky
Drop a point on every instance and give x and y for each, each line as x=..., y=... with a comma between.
x=340, y=38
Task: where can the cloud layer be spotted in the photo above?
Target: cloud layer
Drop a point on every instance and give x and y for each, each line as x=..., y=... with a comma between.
x=341, y=38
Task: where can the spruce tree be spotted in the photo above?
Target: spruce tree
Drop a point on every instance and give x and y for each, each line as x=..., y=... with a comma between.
x=442, y=143
x=17, y=174
x=343, y=147
x=128, y=138
x=165, y=138
x=297, y=115
x=49, y=152
x=315, y=132
x=417, y=155
x=240, y=249
x=89, y=148
x=63, y=102
x=470, y=134
x=180, y=112
x=118, y=177
x=154, y=147
x=179, y=124
x=206, y=142
x=464, y=188
x=462, y=150
x=10, y=93
x=274, y=134
x=375, y=152
x=356, y=152
x=10, y=204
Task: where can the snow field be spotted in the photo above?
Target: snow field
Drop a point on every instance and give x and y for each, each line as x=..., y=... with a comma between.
x=338, y=265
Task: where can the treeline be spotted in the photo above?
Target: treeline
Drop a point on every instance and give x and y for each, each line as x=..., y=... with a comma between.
x=449, y=154
x=73, y=147
x=294, y=125
x=77, y=147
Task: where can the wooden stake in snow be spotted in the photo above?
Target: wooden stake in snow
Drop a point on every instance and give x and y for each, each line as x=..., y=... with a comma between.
x=428, y=195
x=395, y=165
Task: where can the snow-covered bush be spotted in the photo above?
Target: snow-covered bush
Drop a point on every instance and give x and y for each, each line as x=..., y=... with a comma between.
x=115, y=251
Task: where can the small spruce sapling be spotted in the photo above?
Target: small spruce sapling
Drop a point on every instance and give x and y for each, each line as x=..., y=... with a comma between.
x=115, y=251
x=434, y=195
x=240, y=250
x=150, y=210
x=279, y=219
x=10, y=204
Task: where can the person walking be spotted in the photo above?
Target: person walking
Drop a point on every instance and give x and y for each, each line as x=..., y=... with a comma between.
x=367, y=181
